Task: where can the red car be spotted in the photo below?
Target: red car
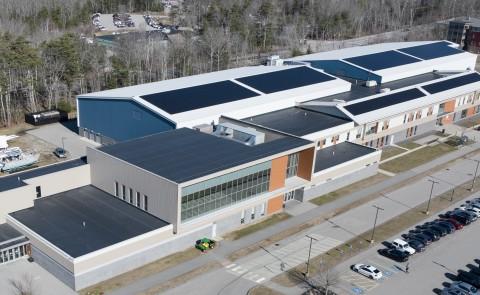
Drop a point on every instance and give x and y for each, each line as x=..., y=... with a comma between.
x=455, y=223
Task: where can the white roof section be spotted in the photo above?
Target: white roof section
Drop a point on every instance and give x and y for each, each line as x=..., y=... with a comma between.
x=457, y=62
x=410, y=105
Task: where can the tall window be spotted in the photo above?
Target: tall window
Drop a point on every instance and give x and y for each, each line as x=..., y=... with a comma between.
x=124, y=192
x=130, y=195
x=292, y=165
x=116, y=188
x=145, y=202
x=138, y=199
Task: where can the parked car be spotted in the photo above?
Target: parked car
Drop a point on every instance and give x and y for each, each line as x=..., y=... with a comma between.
x=420, y=237
x=394, y=254
x=466, y=288
x=416, y=244
x=434, y=236
x=454, y=222
x=403, y=246
x=367, y=270
x=463, y=219
x=470, y=278
x=449, y=226
x=473, y=217
x=452, y=291
x=432, y=227
x=60, y=152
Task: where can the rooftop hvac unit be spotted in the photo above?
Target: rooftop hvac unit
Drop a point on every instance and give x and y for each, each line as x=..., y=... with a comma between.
x=205, y=128
x=384, y=90
x=245, y=135
x=371, y=83
x=274, y=60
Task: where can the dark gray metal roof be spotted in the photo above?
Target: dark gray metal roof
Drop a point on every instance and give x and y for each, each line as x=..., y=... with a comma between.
x=59, y=219
x=297, y=121
x=339, y=153
x=184, y=154
x=16, y=180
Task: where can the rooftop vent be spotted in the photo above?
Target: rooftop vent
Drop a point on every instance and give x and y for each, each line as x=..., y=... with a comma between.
x=274, y=60
x=245, y=135
x=371, y=83
x=384, y=90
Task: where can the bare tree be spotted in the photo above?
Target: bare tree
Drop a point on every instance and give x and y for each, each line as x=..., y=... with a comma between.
x=22, y=286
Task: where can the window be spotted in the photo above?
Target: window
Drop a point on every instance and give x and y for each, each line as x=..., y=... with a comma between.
x=138, y=199
x=253, y=213
x=116, y=189
x=292, y=165
x=145, y=202
x=405, y=119
x=418, y=115
x=130, y=195
x=38, y=189
x=348, y=135
x=124, y=192
x=430, y=111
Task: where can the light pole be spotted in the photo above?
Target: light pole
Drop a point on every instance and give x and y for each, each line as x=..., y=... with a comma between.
x=375, y=223
x=475, y=175
x=309, y=252
x=63, y=144
x=430, y=198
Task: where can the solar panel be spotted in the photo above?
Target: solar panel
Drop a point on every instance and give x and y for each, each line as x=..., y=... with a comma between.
x=383, y=101
x=452, y=83
x=196, y=97
x=285, y=79
x=382, y=60
x=432, y=50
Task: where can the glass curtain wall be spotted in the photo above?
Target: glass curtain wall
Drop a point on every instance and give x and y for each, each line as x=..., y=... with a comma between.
x=214, y=197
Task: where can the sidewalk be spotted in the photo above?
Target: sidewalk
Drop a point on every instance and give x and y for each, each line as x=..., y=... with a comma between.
x=228, y=247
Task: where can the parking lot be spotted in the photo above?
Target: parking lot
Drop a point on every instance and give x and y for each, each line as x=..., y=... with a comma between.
x=429, y=271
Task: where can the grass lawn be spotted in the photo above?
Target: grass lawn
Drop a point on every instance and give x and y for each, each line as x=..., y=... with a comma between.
x=249, y=229
x=417, y=158
x=382, y=232
x=144, y=271
x=348, y=189
x=409, y=144
x=391, y=151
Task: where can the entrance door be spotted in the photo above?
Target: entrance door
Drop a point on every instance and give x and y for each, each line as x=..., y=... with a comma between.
x=289, y=196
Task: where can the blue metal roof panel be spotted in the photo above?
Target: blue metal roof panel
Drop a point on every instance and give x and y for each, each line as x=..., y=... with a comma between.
x=432, y=50
x=382, y=60
x=452, y=83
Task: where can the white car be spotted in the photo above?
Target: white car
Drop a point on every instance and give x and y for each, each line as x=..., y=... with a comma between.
x=368, y=271
x=403, y=246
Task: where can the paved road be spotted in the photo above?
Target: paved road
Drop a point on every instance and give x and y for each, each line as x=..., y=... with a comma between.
x=53, y=133
x=427, y=270
x=265, y=264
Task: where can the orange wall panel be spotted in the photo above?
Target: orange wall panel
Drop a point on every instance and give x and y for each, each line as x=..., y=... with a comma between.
x=305, y=163
x=275, y=204
x=449, y=106
x=447, y=119
x=471, y=111
x=278, y=173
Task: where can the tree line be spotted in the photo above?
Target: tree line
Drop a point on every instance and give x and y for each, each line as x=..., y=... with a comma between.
x=44, y=61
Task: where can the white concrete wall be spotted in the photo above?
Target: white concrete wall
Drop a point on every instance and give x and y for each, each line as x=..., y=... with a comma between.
x=16, y=199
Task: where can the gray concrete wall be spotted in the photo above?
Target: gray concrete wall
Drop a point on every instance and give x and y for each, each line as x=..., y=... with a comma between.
x=16, y=199
x=340, y=182
x=421, y=129
x=53, y=267
x=162, y=194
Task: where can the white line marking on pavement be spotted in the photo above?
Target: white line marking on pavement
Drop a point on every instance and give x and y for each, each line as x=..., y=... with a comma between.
x=260, y=280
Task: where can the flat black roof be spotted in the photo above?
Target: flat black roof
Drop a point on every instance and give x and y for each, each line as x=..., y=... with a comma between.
x=285, y=79
x=452, y=83
x=297, y=121
x=382, y=60
x=59, y=219
x=384, y=101
x=16, y=180
x=8, y=233
x=360, y=91
x=196, y=97
x=184, y=154
x=337, y=154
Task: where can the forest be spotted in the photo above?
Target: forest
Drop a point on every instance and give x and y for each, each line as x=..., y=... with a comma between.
x=45, y=60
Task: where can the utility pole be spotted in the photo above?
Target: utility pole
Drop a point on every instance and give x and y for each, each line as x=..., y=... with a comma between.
x=475, y=175
x=430, y=198
x=375, y=223
x=63, y=144
x=309, y=252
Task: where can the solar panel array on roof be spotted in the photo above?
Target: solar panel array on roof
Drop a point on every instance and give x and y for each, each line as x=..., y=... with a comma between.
x=285, y=79
x=431, y=51
x=196, y=97
x=452, y=83
x=383, y=101
x=382, y=60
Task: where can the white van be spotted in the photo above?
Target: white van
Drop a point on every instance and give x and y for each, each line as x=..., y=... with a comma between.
x=403, y=246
